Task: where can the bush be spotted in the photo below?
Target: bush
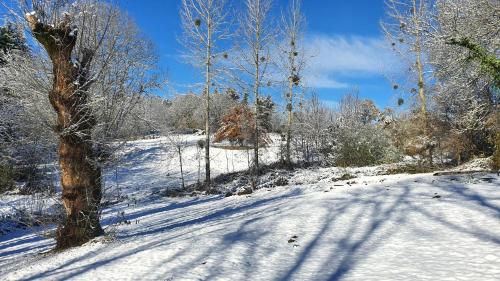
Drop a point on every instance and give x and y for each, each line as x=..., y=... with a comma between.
x=6, y=178
x=496, y=155
x=411, y=169
x=357, y=136
x=362, y=145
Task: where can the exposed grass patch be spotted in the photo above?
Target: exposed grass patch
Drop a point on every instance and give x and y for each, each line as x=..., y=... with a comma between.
x=412, y=169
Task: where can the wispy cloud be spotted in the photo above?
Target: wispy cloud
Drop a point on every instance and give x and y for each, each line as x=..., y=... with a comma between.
x=330, y=103
x=338, y=57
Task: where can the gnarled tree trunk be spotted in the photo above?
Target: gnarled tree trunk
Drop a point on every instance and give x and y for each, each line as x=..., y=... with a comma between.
x=80, y=176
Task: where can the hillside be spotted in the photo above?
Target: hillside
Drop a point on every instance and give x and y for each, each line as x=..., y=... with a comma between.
x=372, y=227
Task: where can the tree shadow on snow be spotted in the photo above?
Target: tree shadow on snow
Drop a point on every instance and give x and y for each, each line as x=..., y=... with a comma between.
x=353, y=224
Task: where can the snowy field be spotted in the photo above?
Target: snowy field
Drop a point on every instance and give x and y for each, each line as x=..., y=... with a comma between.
x=372, y=227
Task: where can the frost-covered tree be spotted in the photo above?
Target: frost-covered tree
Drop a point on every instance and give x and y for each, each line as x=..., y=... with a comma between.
x=406, y=29
x=356, y=138
x=204, y=25
x=54, y=29
x=463, y=49
x=184, y=111
x=292, y=60
x=82, y=46
x=11, y=38
x=312, y=120
x=221, y=104
x=254, y=57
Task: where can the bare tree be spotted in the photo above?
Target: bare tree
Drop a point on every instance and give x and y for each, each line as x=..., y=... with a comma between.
x=178, y=142
x=310, y=127
x=406, y=30
x=204, y=24
x=254, y=58
x=293, y=62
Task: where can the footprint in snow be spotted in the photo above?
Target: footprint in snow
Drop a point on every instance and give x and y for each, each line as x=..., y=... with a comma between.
x=436, y=196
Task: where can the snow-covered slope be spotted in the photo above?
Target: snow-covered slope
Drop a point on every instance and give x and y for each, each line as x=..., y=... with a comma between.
x=399, y=227
x=154, y=164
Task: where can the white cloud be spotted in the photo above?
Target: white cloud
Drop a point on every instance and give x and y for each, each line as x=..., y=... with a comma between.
x=335, y=57
x=330, y=103
x=323, y=80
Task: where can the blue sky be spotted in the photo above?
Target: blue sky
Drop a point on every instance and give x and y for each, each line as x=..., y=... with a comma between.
x=344, y=35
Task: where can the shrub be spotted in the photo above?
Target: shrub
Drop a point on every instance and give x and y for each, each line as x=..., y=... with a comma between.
x=237, y=127
x=6, y=178
x=496, y=155
x=362, y=145
x=411, y=169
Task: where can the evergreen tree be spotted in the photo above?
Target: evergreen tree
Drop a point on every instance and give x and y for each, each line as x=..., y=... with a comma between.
x=11, y=38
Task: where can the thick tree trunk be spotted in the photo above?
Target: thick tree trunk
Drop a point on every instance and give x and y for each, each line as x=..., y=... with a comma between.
x=81, y=193
x=80, y=176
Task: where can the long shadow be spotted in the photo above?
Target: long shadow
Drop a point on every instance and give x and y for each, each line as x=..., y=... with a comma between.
x=308, y=249
x=470, y=195
x=220, y=214
x=358, y=242
x=21, y=250
x=148, y=154
x=216, y=216
x=253, y=238
x=480, y=234
x=169, y=207
x=18, y=242
x=352, y=250
x=347, y=254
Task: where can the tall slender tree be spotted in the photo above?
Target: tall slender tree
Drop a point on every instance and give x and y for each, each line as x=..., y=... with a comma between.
x=293, y=62
x=406, y=29
x=254, y=58
x=204, y=25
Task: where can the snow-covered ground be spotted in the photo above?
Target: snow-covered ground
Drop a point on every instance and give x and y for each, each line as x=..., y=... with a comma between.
x=372, y=227
x=150, y=165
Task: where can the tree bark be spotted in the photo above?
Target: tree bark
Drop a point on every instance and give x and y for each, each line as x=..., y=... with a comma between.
x=255, y=177
x=207, y=106
x=179, y=150
x=80, y=176
x=289, y=109
x=420, y=68
x=421, y=79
